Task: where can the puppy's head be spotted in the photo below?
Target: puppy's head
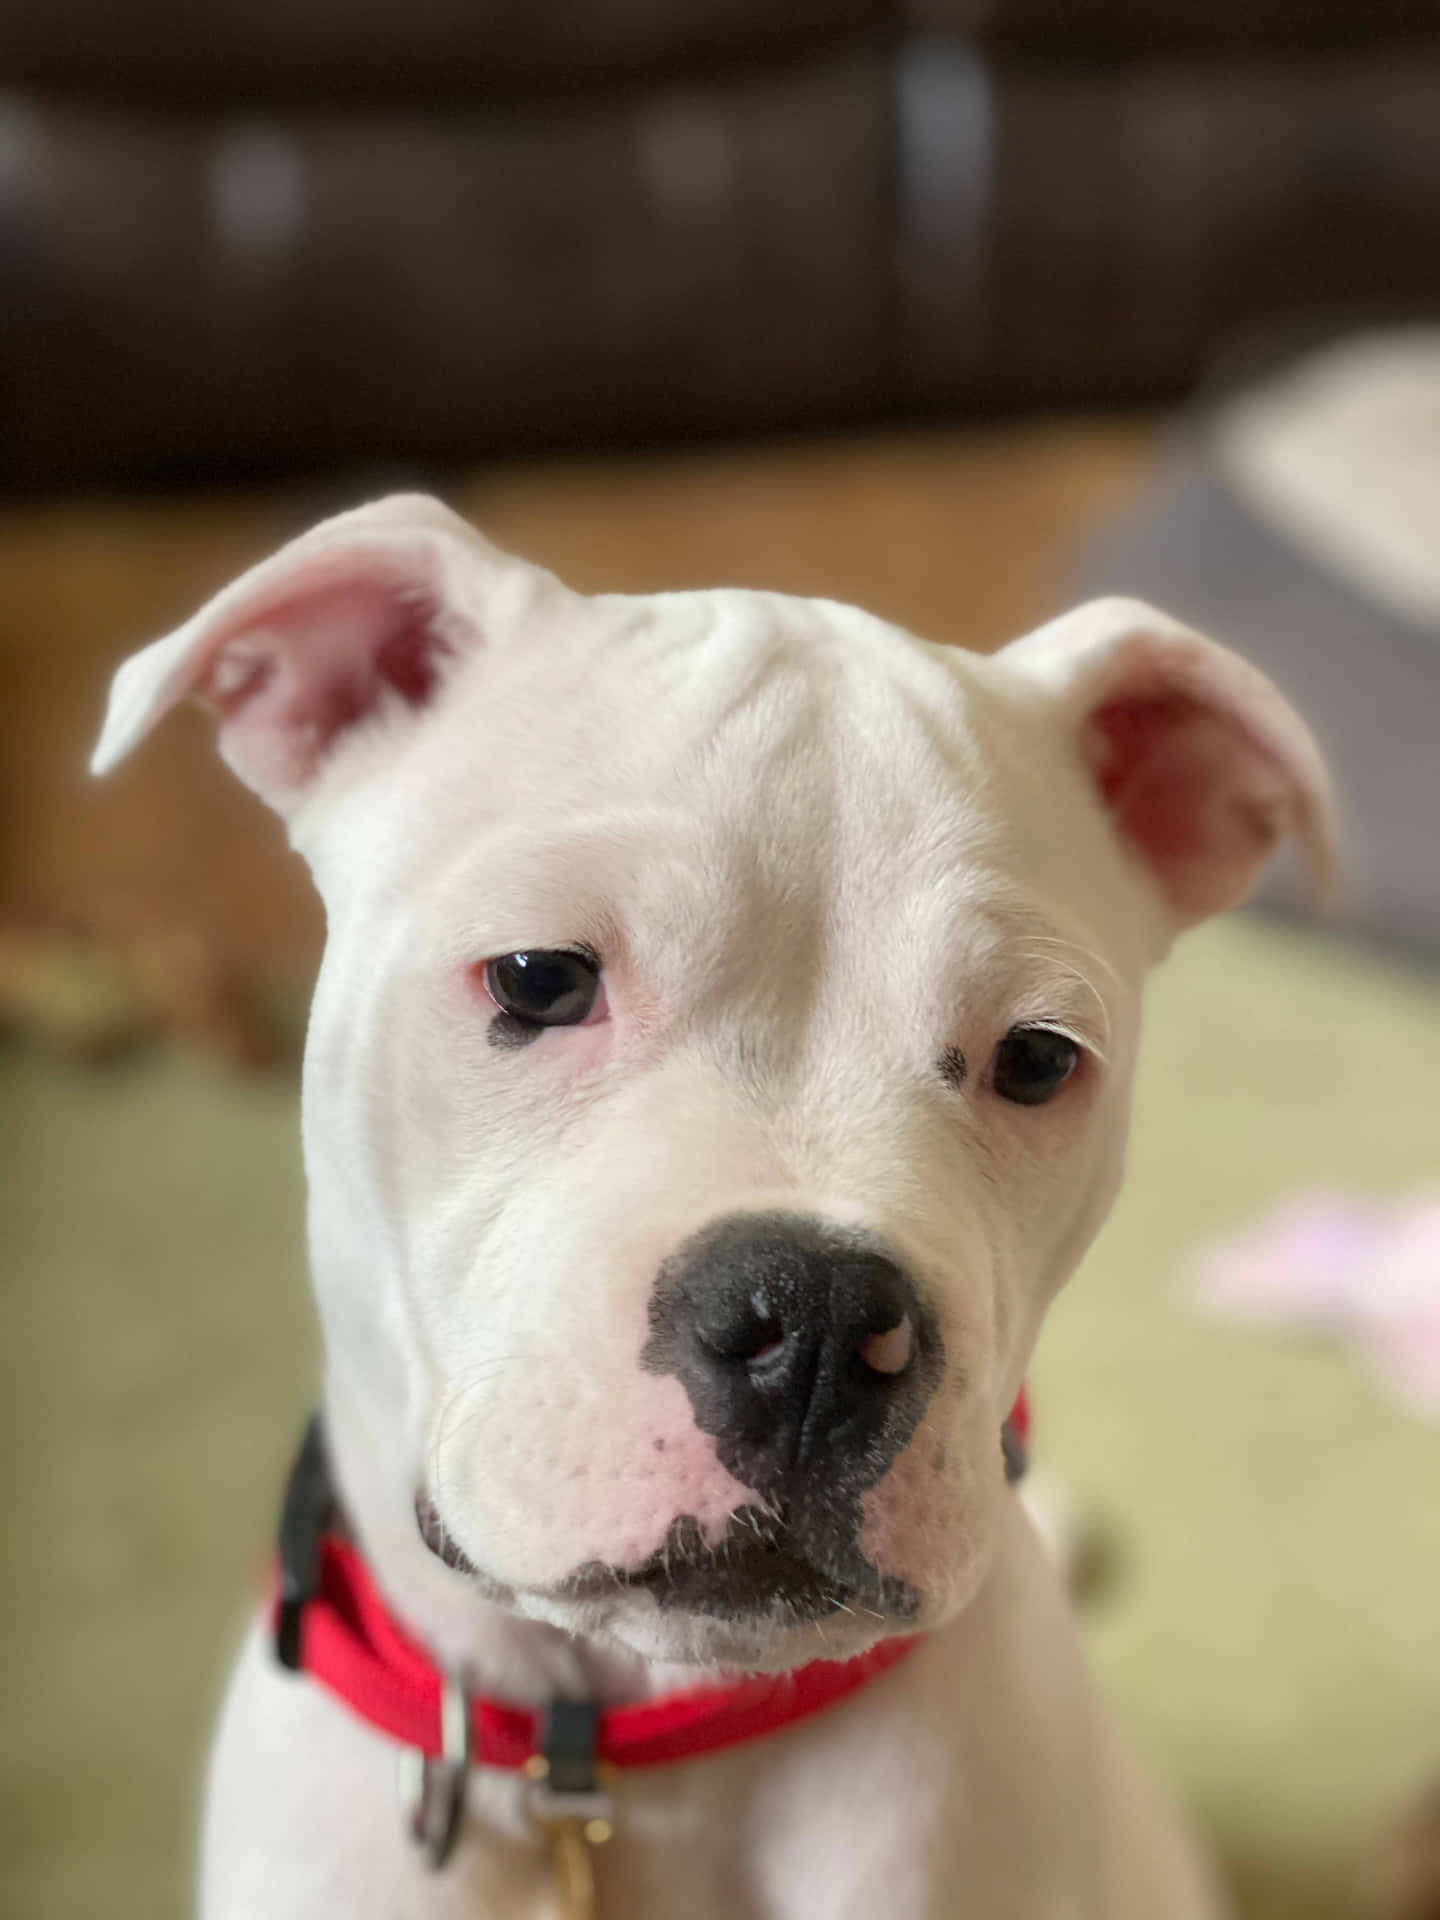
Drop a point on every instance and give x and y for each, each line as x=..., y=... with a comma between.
x=722, y=1049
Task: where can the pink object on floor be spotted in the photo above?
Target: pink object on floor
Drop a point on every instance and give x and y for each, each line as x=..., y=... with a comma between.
x=1365, y=1271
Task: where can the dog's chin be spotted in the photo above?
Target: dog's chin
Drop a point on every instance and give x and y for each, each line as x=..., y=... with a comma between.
x=753, y=1599
x=756, y=1608
x=769, y=1641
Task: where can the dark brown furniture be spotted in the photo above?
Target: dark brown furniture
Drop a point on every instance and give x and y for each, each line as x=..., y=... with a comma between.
x=260, y=237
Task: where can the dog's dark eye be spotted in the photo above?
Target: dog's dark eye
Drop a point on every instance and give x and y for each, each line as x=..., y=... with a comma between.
x=544, y=987
x=1032, y=1064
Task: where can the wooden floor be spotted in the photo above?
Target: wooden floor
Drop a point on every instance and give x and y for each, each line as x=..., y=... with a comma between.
x=963, y=535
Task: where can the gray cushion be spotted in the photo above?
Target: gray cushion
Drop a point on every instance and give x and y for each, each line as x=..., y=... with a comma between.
x=1367, y=681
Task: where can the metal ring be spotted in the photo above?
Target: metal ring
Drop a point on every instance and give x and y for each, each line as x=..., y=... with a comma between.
x=432, y=1791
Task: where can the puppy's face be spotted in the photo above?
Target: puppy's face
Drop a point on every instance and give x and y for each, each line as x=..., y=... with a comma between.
x=736, y=1086
x=722, y=1048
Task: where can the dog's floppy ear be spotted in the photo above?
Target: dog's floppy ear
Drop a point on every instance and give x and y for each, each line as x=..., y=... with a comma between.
x=1202, y=764
x=355, y=616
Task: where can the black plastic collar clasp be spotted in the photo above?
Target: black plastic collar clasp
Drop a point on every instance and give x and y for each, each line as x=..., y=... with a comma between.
x=1017, y=1454
x=309, y=1505
x=571, y=1788
x=571, y=1729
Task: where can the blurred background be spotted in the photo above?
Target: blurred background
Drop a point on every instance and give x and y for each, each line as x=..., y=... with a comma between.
x=960, y=309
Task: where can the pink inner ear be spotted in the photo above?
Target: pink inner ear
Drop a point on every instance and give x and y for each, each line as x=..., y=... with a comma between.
x=1193, y=792
x=288, y=682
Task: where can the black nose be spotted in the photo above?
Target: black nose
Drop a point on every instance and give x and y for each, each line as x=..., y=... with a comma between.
x=803, y=1346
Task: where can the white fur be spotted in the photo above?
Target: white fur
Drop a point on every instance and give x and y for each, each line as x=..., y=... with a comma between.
x=814, y=854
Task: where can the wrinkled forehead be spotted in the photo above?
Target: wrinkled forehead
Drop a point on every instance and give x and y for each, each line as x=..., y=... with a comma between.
x=724, y=713
x=749, y=795
x=807, y=746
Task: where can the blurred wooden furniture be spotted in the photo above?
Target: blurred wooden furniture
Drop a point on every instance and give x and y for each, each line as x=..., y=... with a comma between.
x=255, y=239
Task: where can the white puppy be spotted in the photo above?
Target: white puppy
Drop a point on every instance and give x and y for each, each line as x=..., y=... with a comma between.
x=721, y=1055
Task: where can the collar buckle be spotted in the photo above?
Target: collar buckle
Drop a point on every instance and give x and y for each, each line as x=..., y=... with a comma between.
x=572, y=1801
x=1015, y=1448
x=567, y=1781
x=306, y=1514
x=432, y=1792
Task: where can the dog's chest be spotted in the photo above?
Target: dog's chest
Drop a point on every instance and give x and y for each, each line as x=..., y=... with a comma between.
x=669, y=1856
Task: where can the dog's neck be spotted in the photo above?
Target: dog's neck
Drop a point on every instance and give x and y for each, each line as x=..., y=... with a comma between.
x=521, y=1662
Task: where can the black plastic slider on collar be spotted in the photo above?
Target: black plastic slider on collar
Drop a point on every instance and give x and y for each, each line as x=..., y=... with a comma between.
x=568, y=1739
x=1017, y=1454
x=304, y=1517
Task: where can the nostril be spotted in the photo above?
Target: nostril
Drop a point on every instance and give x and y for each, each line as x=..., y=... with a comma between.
x=768, y=1338
x=891, y=1351
x=752, y=1334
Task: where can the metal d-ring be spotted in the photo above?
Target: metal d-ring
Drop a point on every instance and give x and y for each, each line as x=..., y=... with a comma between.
x=432, y=1791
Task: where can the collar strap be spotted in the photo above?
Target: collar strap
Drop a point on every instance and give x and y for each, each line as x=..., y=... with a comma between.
x=351, y=1644
x=329, y=1621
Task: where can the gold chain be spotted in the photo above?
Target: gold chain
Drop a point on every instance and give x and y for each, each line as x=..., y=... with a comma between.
x=572, y=1869
x=571, y=1839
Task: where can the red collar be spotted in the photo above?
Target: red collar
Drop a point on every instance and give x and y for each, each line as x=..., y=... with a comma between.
x=331, y=1622
x=350, y=1643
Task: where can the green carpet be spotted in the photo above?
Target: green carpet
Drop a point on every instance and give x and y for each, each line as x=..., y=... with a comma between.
x=1270, y=1637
